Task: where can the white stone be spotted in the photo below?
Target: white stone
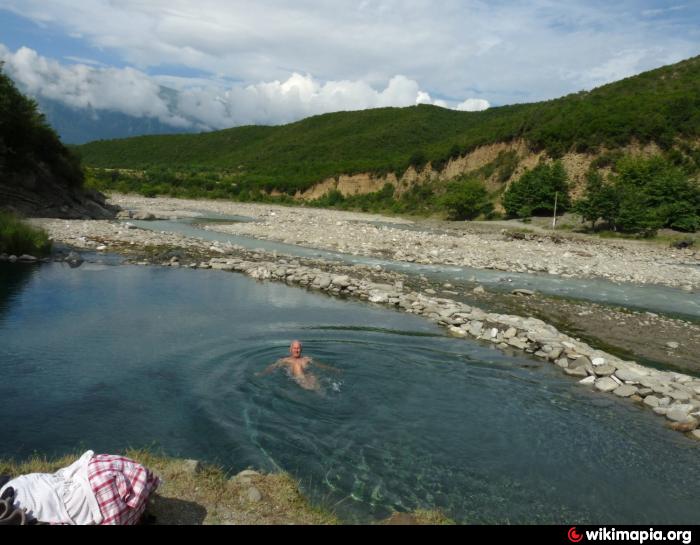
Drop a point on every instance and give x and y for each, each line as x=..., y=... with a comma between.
x=588, y=380
x=475, y=328
x=651, y=401
x=254, y=495
x=628, y=375
x=679, y=395
x=378, y=297
x=606, y=384
x=598, y=361
x=679, y=413
x=458, y=331
x=625, y=391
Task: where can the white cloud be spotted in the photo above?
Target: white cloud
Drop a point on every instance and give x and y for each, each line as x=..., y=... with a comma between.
x=125, y=90
x=473, y=105
x=501, y=52
x=198, y=102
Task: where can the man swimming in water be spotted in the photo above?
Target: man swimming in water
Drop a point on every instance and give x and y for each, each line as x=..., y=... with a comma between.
x=297, y=367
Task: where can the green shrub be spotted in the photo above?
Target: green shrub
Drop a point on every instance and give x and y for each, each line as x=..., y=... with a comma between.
x=600, y=200
x=655, y=193
x=466, y=200
x=16, y=237
x=535, y=192
x=644, y=195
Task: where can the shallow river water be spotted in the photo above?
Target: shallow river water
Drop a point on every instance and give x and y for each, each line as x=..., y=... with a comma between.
x=653, y=298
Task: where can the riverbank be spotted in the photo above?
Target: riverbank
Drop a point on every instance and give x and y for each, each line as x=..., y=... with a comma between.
x=504, y=250
x=194, y=493
x=673, y=395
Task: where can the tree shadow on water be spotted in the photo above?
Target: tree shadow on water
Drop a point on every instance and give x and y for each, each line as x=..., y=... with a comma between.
x=13, y=279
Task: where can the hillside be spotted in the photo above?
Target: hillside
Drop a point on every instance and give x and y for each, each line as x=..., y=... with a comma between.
x=39, y=176
x=660, y=107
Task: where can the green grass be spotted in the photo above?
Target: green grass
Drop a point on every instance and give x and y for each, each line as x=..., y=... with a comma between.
x=16, y=237
x=661, y=106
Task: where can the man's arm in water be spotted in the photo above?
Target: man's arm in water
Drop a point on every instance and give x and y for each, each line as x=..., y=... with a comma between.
x=270, y=368
x=324, y=366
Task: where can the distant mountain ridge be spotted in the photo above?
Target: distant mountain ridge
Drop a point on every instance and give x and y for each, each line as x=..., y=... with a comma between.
x=659, y=108
x=82, y=125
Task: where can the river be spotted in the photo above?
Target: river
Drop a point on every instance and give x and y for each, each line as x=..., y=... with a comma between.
x=107, y=356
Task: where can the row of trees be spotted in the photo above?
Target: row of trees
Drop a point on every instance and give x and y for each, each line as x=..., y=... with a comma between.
x=640, y=196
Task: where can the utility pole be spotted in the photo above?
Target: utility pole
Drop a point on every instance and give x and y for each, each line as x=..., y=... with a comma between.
x=554, y=219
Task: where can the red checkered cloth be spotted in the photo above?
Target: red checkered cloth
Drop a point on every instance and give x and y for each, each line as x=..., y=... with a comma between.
x=121, y=487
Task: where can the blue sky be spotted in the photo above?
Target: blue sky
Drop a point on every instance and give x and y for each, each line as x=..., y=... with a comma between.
x=270, y=61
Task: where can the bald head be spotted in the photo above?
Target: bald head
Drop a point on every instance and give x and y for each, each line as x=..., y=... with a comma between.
x=295, y=349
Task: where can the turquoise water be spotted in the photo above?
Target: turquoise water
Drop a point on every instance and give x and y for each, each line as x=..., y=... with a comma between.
x=106, y=357
x=654, y=298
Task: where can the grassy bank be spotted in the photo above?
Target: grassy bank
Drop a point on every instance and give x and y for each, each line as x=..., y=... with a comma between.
x=205, y=494
x=16, y=237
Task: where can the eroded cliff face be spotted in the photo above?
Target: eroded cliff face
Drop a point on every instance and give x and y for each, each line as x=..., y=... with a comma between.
x=576, y=165
x=41, y=194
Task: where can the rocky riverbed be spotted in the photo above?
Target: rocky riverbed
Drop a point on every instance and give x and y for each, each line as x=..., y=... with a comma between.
x=674, y=395
x=505, y=250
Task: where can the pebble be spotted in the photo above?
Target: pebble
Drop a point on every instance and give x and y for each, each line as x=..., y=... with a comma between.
x=606, y=384
x=679, y=413
x=651, y=401
x=625, y=391
x=254, y=495
x=191, y=466
x=604, y=370
x=521, y=291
